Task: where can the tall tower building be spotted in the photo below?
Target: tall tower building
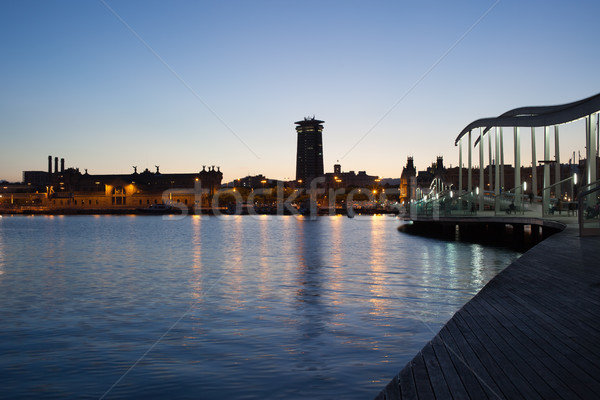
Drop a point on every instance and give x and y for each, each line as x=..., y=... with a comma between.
x=309, y=156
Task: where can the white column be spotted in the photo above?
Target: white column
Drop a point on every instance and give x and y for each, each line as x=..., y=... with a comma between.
x=517, y=146
x=460, y=163
x=591, y=148
x=497, y=177
x=557, y=188
x=470, y=170
x=490, y=159
x=546, y=193
x=533, y=164
x=502, y=183
x=481, y=175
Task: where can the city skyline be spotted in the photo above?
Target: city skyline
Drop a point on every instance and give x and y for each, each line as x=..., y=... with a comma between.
x=109, y=85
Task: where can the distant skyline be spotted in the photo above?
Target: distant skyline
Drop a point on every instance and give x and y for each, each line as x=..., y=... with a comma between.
x=111, y=84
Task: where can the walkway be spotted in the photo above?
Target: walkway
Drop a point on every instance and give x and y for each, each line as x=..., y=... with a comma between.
x=533, y=332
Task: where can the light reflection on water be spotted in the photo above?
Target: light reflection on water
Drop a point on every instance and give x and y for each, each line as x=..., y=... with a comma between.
x=281, y=307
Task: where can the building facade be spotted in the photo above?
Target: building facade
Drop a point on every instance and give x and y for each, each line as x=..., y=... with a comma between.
x=68, y=188
x=408, y=181
x=309, y=154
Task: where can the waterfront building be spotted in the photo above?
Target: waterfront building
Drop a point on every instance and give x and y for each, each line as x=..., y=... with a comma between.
x=252, y=182
x=309, y=154
x=340, y=179
x=68, y=188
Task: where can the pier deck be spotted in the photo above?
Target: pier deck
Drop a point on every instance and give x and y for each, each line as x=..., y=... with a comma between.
x=533, y=332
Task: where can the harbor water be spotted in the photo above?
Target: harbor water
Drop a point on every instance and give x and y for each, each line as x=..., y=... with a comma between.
x=206, y=307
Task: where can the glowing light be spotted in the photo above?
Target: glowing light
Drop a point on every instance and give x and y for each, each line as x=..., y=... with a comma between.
x=525, y=186
x=574, y=179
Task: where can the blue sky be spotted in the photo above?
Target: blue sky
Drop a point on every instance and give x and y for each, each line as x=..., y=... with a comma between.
x=189, y=83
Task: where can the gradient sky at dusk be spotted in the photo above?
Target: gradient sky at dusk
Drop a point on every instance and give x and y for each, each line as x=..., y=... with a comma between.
x=111, y=84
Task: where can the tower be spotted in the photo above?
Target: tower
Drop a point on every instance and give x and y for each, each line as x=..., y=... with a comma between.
x=408, y=181
x=309, y=156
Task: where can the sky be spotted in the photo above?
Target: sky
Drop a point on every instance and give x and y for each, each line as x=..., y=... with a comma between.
x=110, y=84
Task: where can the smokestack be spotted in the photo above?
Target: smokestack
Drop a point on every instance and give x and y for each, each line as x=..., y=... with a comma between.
x=62, y=165
x=56, y=165
x=49, y=165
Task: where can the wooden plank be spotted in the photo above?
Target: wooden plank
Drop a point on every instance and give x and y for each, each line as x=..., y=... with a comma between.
x=501, y=361
x=526, y=349
x=566, y=323
x=575, y=337
x=472, y=361
x=436, y=377
x=533, y=336
x=422, y=383
x=469, y=379
x=561, y=297
x=450, y=374
x=507, y=386
x=537, y=374
x=408, y=389
x=565, y=284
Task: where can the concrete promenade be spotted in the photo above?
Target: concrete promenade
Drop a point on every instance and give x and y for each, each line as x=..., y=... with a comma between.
x=533, y=332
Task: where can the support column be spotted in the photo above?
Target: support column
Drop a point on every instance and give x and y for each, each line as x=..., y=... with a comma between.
x=497, y=168
x=502, y=183
x=557, y=188
x=591, y=148
x=546, y=193
x=481, y=175
x=534, y=188
x=470, y=170
x=518, y=187
x=460, y=167
x=490, y=180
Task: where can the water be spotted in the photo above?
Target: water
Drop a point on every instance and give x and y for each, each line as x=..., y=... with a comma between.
x=238, y=307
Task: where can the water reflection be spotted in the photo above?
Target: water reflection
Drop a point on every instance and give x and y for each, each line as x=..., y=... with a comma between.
x=378, y=268
x=309, y=270
x=2, y=248
x=198, y=276
x=286, y=307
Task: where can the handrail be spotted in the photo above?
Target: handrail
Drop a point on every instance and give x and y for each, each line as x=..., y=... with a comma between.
x=590, y=184
x=559, y=183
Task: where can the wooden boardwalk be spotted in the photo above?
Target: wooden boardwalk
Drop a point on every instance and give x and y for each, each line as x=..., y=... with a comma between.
x=533, y=332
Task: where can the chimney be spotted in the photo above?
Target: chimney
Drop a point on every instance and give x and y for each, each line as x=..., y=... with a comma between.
x=56, y=165
x=62, y=165
x=49, y=165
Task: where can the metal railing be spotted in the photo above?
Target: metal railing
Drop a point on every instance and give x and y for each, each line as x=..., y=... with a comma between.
x=589, y=211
